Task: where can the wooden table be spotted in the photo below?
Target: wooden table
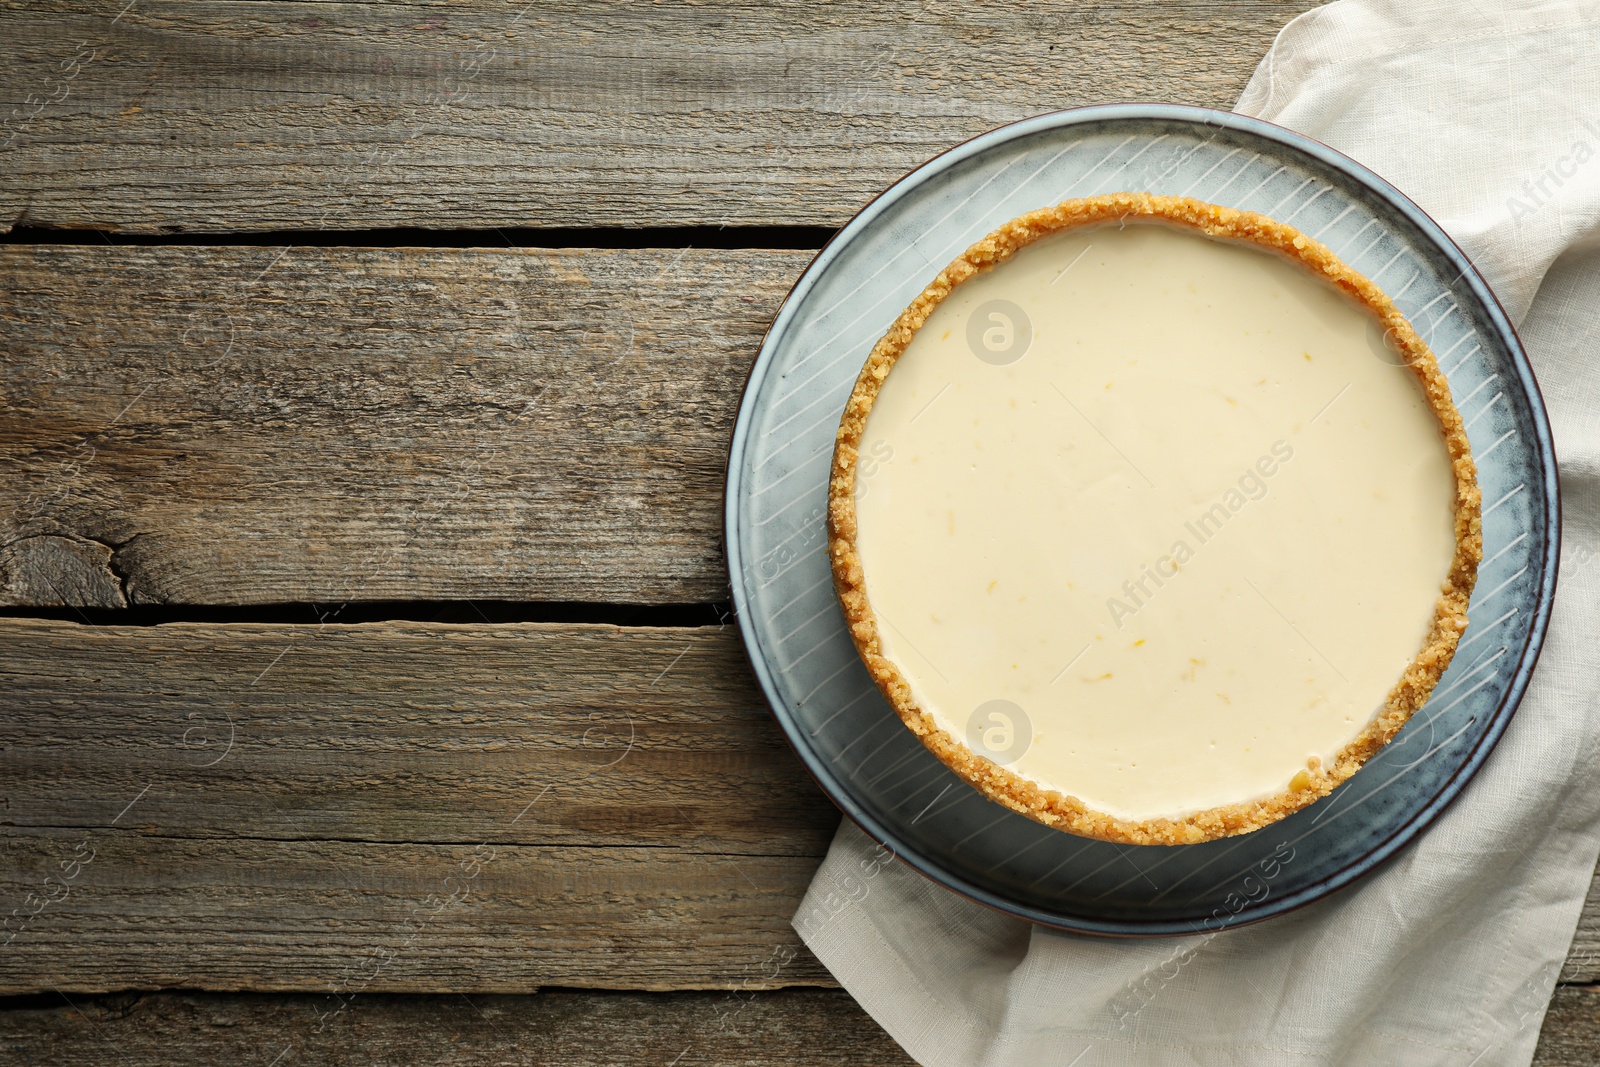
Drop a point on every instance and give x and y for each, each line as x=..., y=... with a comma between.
x=370, y=693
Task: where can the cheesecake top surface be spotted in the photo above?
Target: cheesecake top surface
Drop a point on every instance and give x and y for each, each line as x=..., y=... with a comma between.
x=1151, y=532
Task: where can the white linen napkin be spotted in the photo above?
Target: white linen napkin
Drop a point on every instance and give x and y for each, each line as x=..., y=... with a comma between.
x=1488, y=115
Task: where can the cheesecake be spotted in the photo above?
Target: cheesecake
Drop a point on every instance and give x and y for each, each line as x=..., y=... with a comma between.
x=1153, y=519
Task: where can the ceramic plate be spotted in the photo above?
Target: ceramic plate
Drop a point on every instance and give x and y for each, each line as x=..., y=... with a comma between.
x=850, y=738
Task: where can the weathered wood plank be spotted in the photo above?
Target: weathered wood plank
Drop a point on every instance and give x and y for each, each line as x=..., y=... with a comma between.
x=528, y=734
x=255, y=425
x=1571, y=1033
x=215, y=116
x=798, y=1027
x=139, y=910
x=793, y=1028
x=280, y=807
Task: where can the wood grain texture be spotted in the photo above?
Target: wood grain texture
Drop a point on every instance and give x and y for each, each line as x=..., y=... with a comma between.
x=138, y=909
x=401, y=733
x=277, y=807
x=222, y=116
x=1571, y=1033
x=793, y=1028
x=260, y=425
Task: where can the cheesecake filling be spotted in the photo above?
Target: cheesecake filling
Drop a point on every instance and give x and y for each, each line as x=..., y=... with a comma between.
x=1152, y=519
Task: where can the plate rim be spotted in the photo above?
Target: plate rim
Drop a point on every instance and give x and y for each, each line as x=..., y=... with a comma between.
x=1294, y=141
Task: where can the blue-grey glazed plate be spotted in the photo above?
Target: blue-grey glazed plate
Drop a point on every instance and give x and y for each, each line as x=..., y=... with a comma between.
x=849, y=737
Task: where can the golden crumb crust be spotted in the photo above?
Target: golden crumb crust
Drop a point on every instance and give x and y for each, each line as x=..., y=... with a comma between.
x=1049, y=806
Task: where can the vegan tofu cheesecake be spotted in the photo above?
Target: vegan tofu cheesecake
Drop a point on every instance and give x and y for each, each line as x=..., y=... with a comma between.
x=1153, y=519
